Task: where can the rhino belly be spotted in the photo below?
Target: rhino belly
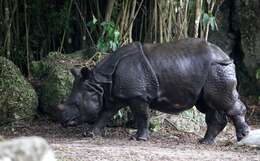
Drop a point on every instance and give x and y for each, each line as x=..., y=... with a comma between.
x=172, y=104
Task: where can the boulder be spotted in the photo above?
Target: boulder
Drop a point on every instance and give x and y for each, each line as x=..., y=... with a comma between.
x=26, y=149
x=191, y=121
x=18, y=100
x=55, y=82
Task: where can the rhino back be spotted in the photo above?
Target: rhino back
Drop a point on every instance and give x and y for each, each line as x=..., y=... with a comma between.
x=181, y=68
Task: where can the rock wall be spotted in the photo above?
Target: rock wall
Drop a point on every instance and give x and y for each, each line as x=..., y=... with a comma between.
x=239, y=37
x=250, y=34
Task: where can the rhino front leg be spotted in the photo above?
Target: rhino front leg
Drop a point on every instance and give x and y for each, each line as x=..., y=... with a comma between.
x=141, y=113
x=98, y=128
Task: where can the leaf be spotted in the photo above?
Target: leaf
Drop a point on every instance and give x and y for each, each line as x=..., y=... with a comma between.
x=94, y=20
x=257, y=74
x=116, y=34
x=205, y=19
x=212, y=22
x=101, y=45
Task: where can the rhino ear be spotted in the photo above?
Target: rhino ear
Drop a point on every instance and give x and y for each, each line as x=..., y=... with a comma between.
x=76, y=72
x=85, y=72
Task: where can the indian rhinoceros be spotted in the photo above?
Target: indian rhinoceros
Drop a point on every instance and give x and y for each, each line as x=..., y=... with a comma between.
x=169, y=77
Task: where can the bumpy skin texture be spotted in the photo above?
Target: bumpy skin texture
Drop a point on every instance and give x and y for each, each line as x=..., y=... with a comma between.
x=184, y=73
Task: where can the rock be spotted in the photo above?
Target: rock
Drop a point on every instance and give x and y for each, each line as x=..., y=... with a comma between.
x=26, y=149
x=252, y=139
x=250, y=35
x=18, y=100
x=188, y=121
x=56, y=82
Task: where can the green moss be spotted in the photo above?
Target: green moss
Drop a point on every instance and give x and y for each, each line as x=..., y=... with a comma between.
x=18, y=100
x=55, y=88
x=39, y=69
x=56, y=82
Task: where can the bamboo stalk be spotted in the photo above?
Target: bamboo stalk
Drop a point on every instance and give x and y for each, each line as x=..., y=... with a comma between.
x=27, y=40
x=197, y=18
x=169, y=32
x=64, y=33
x=109, y=10
x=84, y=23
x=155, y=20
x=161, y=23
x=132, y=20
x=123, y=17
x=207, y=28
x=8, y=33
x=132, y=17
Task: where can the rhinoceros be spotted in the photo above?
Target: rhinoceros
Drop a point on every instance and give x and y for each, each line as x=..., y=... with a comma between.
x=168, y=77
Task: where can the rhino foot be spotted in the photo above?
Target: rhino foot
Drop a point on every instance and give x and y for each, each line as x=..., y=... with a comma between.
x=144, y=136
x=139, y=138
x=206, y=141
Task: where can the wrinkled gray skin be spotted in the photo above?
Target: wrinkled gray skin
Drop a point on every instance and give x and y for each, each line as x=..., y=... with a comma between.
x=190, y=72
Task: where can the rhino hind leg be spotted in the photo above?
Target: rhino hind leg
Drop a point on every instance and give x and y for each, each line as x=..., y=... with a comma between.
x=237, y=115
x=220, y=94
x=216, y=122
x=140, y=110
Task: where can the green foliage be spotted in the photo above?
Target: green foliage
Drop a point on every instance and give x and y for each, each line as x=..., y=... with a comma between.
x=18, y=99
x=258, y=78
x=123, y=117
x=109, y=40
x=155, y=124
x=40, y=69
x=257, y=73
x=208, y=18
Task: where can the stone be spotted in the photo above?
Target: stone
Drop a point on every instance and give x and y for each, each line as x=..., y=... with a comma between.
x=26, y=149
x=18, y=99
x=252, y=139
x=56, y=82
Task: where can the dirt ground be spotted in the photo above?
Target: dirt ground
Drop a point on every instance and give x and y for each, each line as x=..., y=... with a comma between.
x=164, y=145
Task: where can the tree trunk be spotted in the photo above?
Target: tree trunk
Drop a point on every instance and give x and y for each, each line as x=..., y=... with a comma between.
x=109, y=10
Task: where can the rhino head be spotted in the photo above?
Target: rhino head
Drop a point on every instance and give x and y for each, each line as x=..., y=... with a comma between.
x=85, y=101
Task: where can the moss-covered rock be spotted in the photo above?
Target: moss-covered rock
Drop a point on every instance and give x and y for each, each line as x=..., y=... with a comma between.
x=56, y=82
x=18, y=100
x=188, y=121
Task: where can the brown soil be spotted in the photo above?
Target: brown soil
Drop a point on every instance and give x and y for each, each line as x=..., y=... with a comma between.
x=165, y=145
